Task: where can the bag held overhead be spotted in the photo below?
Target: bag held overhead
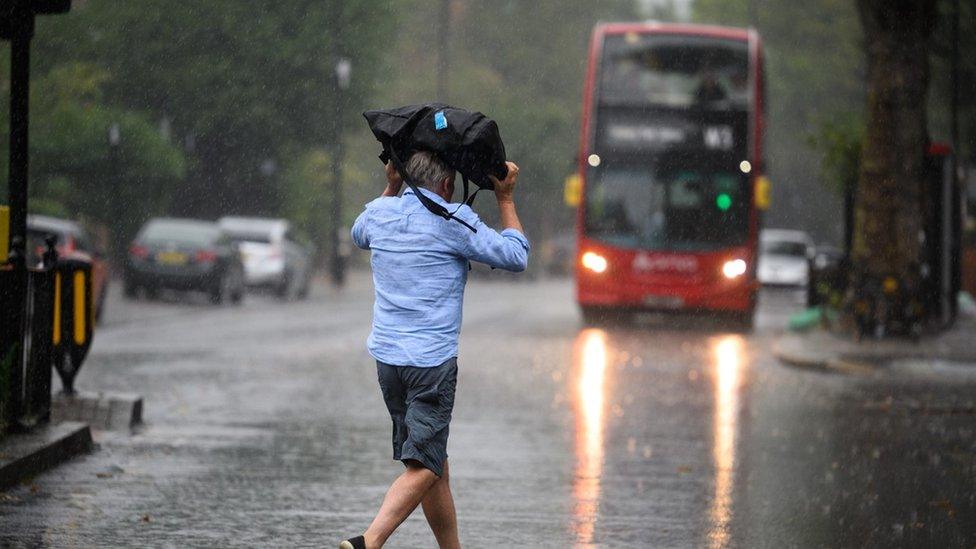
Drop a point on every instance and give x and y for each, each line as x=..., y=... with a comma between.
x=467, y=141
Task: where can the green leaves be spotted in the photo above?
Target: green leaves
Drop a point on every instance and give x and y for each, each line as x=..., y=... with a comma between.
x=521, y=62
x=814, y=72
x=240, y=85
x=839, y=139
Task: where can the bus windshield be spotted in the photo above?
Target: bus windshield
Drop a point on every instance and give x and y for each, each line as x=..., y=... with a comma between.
x=638, y=206
x=675, y=71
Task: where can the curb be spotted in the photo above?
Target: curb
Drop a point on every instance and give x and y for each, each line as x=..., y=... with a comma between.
x=822, y=363
x=23, y=456
x=105, y=411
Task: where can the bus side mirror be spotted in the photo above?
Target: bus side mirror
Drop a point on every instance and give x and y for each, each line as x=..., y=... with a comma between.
x=573, y=190
x=762, y=192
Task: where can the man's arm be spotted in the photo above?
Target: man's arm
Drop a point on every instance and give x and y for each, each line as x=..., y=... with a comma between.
x=359, y=236
x=505, y=195
x=393, y=184
x=509, y=249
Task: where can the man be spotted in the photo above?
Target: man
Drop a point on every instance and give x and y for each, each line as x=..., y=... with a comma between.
x=420, y=267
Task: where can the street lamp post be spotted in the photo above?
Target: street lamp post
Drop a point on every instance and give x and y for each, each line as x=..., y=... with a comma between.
x=17, y=25
x=956, y=214
x=16, y=288
x=114, y=140
x=343, y=76
x=443, y=43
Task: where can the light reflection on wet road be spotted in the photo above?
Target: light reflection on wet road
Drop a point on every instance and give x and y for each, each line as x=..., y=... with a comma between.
x=590, y=358
x=266, y=428
x=726, y=375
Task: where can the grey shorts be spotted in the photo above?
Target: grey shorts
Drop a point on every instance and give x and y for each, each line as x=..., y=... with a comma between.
x=420, y=401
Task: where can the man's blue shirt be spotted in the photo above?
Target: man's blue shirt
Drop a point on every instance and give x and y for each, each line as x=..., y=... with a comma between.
x=420, y=267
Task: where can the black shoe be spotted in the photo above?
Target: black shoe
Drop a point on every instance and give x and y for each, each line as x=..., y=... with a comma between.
x=357, y=542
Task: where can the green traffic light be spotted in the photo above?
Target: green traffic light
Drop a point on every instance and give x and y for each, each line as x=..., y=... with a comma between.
x=723, y=201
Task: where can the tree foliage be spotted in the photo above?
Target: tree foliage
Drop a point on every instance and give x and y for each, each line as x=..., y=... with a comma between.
x=520, y=62
x=233, y=107
x=241, y=85
x=839, y=142
x=72, y=170
x=815, y=88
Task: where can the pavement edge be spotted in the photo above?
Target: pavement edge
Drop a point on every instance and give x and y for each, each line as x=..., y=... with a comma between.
x=23, y=456
x=104, y=411
x=789, y=350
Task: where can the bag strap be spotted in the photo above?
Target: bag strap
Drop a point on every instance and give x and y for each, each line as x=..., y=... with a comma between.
x=470, y=200
x=432, y=207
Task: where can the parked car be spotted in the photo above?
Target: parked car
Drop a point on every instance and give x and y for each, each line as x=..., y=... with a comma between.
x=185, y=255
x=828, y=275
x=273, y=256
x=71, y=240
x=784, y=257
x=826, y=256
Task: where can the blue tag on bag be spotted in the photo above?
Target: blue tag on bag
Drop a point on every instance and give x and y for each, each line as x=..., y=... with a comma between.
x=440, y=121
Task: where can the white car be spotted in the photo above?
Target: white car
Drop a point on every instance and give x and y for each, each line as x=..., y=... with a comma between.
x=272, y=256
x=784, y=257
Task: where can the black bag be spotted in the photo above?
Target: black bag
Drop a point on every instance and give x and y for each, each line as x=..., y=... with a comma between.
x=467, y=141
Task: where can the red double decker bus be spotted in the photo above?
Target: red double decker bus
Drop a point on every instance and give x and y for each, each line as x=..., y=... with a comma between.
x=670, y=168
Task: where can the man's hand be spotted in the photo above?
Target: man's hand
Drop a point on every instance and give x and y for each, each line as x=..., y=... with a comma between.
x=393, y=180
x=504, y=193
x=505, y=189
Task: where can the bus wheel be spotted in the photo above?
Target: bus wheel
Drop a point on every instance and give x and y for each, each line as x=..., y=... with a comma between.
x=743, y=322
x=603, y=316
x=592, y=315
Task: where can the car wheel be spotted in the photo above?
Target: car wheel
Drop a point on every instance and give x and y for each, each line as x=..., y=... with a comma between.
x=100, y=306
x=303, y=291
x=219, y=290
x=130, y=289
x=284, y=286
x=237, y=292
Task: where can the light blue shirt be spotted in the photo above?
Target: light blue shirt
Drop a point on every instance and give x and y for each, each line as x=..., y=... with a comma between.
x=420, y=267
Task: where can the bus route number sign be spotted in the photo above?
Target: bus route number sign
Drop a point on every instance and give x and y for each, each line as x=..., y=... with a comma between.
x=719, y=138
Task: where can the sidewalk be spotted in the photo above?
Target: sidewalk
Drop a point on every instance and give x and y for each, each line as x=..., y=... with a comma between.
x=23, y=456
x=823, y=350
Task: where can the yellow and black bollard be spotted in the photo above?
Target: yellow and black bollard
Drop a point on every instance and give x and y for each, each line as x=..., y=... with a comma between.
x=73, y=318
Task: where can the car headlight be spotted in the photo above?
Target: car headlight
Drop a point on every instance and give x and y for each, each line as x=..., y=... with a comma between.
x=594, y=262
x=734, y=268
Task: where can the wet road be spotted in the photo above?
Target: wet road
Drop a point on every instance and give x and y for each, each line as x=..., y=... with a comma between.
x=265, y=427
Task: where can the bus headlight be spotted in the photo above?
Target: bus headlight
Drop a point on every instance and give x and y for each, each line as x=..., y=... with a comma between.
x=594, y=262
x=734, y=268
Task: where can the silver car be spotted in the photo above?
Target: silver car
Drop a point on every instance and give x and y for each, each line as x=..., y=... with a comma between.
x=784, y=257
x=273, y=257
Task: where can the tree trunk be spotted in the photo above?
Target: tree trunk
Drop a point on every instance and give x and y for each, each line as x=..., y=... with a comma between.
x=886, y=250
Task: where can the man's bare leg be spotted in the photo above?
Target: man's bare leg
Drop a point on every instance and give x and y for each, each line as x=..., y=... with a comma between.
x=438, y=506
x=401, y=499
